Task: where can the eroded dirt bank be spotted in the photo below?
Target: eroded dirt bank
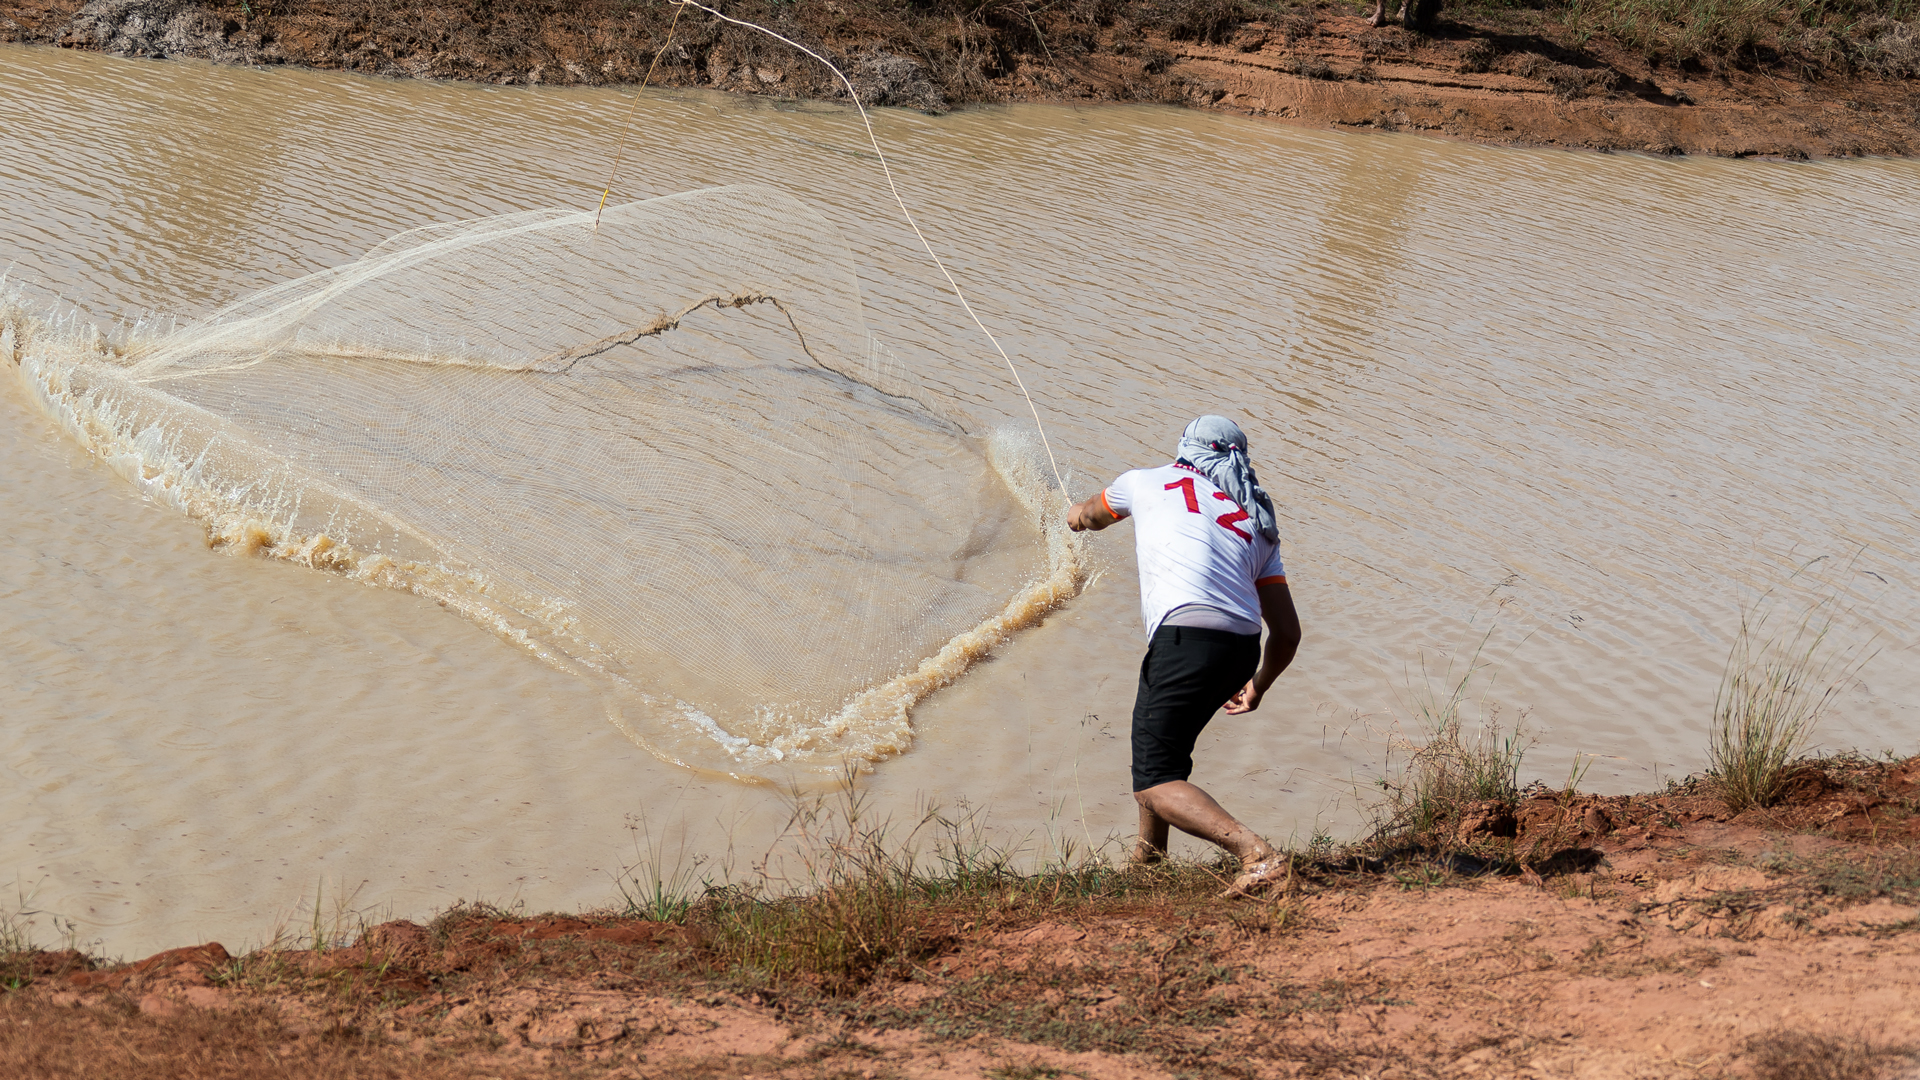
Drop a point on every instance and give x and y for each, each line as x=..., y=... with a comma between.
x=1565, y=936
x=1496, y=75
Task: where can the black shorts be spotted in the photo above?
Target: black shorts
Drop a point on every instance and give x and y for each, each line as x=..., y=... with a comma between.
x=1187, y=675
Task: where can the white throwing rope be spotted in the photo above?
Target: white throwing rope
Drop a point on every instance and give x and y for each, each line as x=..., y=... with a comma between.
x=620, y=147
x=908, y=214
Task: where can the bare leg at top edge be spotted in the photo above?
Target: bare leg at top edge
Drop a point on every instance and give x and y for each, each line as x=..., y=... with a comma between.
x=1380, y=12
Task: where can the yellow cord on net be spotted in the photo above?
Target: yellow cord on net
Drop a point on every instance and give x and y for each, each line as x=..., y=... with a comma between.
x=621, y=146
x=908, y=214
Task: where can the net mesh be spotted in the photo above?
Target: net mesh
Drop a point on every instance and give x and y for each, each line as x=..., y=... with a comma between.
x=665, y=452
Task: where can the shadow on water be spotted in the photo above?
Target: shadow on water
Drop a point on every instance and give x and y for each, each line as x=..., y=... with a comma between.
x=1359, y=262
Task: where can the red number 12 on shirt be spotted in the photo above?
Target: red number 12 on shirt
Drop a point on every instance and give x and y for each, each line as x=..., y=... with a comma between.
x=1225, y=521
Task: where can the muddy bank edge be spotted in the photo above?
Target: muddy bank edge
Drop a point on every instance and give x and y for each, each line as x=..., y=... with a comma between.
x=1498, y=76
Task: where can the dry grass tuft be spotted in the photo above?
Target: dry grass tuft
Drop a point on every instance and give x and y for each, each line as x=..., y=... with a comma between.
x=16, y=949
x=854, y=914
x=1478, y=55
x=1775, y=687
x=24, y=961
x=1800, y=1055
x=1454, y=769
x=1312, y=67
x=1888, y=48
x=845, y=899
x=1874, y=35
x=116, y=1041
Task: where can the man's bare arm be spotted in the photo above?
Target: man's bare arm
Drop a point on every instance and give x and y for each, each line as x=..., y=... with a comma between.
x=1283, y=640
x=1092, y=514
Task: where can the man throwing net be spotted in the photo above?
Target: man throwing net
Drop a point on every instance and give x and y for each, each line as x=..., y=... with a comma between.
x=1210, y=571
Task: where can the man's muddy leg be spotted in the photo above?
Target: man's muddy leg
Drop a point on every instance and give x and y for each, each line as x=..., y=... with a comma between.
x=1192, y=811
x=1379, y=13
x=1152, y=845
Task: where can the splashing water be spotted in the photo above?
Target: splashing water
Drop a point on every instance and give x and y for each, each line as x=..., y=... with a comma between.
x=665, y=454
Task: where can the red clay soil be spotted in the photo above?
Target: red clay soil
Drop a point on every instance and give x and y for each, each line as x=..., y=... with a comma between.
x=1502, y=76
x=1651, y=936
x=1610, y=99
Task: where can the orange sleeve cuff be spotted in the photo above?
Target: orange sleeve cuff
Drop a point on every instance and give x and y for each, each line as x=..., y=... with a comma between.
x=1277, y=579
x=1103, y=502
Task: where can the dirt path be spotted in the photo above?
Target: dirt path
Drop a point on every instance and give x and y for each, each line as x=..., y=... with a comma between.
x=1509, y=77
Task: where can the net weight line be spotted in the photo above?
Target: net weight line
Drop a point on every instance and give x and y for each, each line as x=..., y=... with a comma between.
x=874, y=140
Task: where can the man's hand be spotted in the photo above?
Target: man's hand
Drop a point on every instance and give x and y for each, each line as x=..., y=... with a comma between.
x=1247, y=700
x=1283, y=639
x=1092, y=514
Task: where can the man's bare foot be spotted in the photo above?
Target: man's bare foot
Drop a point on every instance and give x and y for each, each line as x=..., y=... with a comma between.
x=1260, y=874
x=1379, y=13
x=1145, y=854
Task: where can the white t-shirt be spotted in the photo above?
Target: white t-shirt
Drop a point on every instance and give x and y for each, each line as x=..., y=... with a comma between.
x=1194, y=544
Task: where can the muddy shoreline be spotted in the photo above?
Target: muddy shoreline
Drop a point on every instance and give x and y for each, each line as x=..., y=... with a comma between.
x=1515, y=77
x=1560, y=935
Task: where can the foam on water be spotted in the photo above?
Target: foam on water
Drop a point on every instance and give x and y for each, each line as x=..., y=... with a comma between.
x=493, y=468
x=877, y=723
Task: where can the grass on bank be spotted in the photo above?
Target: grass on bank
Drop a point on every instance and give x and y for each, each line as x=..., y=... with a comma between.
x=1775, y=686
x=852, y=907
x=965, y=50
x=846, y=898
x=966, y=43
x=1454, y=765
x=16, y=944
x=21, y=958
x=860, y=909
x=1808, y=37
x=856, y=901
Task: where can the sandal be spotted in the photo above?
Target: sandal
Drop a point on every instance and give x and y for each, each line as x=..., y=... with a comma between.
x=1275, y=869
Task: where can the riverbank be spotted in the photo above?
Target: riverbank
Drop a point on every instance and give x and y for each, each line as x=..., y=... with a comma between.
x=1561, y=935
x=1769, y=79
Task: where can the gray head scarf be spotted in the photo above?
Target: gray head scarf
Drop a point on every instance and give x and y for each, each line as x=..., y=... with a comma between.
x=1217, y=447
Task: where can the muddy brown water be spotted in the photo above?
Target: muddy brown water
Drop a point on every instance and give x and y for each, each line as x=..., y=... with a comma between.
x=1552, y=418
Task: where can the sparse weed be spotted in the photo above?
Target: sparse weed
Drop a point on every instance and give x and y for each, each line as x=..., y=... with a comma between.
x=1285, y=915
x=1869, y=35
x=1421, y=876
x=1894, y=875
x=1450, y=768
x=1776, y=685
x=851, y=913
x=656, y=898
x=1320, y=848
x=1312, y=67
x=1576, y=772
x=19, y=950
x=440, y=930
x=16, y=941
x=330, y=929
x=846, y=896
x=649, y=892
x=1887, y=47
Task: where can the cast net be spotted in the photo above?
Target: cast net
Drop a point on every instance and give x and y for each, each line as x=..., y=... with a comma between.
x=665, y=452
